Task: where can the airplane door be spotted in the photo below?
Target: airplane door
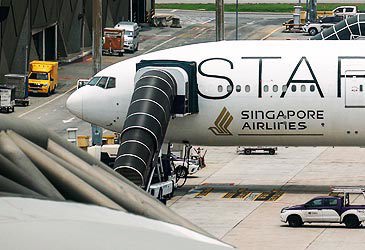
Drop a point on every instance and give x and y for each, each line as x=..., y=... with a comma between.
x=355, y=89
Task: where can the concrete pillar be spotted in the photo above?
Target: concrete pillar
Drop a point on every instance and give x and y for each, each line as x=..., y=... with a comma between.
x=43, y=45
x=55, y=42
x=97, y=35
x=97, y=132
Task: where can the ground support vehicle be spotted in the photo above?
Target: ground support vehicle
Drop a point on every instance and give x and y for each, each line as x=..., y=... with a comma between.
x=43, y=77
x=327, y=209
x=326, y=22
x=20, y=83
x=131, y=35
x=163, y=178
x=248, y=150
x=345, y=11
x=185, y=167
x=7, y=99
x=113, y=41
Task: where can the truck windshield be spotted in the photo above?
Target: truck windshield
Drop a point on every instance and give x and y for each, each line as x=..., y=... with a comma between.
x=129, y=33
x=38, y=76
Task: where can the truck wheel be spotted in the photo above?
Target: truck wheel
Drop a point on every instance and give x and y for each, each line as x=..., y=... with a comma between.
x=181, y=172
x=160, y=197
x=295, y=221
x=247, y=151
x=272, y=151
x=312, y=31
x=49, y=91
x=351, y=221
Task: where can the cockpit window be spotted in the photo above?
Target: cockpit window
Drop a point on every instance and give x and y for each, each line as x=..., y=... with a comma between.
x=93, y=81
x=102, y=82
x=111, y=83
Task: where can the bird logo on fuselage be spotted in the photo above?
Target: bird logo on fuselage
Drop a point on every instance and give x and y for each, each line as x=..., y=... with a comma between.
x=222, y=123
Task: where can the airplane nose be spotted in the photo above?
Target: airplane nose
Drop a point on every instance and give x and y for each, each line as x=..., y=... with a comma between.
x=74, y=104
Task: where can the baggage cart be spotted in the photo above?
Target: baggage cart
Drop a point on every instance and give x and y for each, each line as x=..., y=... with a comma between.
x=7, y=99
x=20, y=83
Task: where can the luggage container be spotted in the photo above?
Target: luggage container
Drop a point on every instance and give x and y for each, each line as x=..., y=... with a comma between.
x=20, y=83
x=113, y=42
x=7, y=99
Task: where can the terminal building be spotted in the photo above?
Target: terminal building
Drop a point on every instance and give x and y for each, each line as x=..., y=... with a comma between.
x=57, y=30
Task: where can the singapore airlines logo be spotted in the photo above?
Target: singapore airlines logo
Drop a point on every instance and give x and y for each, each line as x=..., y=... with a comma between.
x=222, y=123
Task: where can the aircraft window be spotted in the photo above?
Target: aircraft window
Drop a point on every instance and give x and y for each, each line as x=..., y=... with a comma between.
x=238, y=88
x=93, y=81
x=220, y=88
x=293, y=88
x=247, y=88
x=229, y=89
x=111, y=83
x=361, y=88
x=275, y=88
x=266, y=88
x=285, y=88
x=312, y=88
x=302, y=88
x=102, y=82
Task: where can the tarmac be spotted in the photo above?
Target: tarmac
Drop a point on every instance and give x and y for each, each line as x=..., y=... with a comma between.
x=238, y=198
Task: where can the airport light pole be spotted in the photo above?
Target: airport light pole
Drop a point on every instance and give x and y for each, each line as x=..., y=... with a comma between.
x=97, y=13
x=219, y=20
x=97, y=133
x=236, y=19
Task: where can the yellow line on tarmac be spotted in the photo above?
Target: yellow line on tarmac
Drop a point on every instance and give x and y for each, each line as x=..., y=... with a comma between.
x=272, y=32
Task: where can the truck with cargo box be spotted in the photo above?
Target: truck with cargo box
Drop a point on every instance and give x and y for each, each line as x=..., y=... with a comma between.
x=43, y=77
x=20, y=83
x=113, y=42
x=7, y=99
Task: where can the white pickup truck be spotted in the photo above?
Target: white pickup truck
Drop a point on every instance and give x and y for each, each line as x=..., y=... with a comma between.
x=325, y=209
x=326, y=22
x=345, y=11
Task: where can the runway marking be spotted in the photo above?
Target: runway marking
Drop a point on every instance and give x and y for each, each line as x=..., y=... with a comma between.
x=208, y=21
x=205, y=30
x=272, y=32
x=159, y=45
x=246, y=195
x=46, y=103
x=203, y=193
x=276, y=196
x=241, y=193
x=69, y=120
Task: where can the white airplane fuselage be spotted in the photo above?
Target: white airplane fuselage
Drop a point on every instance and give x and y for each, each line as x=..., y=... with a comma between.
x=291, y=93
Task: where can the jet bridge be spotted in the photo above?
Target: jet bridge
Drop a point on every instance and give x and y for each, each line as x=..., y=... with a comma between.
x=348, y=29
x=163, y=89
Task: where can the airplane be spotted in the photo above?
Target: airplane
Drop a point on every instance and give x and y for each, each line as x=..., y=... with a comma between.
x=290, y=93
